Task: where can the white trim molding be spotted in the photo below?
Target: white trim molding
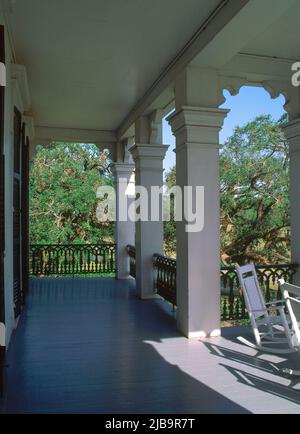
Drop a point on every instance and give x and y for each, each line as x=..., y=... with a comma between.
x=20, y=81
x=30, y=131
x=75, y=135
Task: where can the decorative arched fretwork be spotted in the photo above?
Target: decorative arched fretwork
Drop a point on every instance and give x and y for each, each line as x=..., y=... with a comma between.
x=232, y=84
x=289, y=92
x=275, y=88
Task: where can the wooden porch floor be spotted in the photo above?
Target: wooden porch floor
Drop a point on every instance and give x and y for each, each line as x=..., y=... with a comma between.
x=91, y=346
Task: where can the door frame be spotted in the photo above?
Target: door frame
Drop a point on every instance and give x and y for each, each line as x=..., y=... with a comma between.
x=2, y=216
x=25, y=213
x=17, y=232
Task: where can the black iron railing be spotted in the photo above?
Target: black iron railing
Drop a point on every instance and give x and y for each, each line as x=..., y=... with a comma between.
x=72, y=259
x=232, y=302
x=132, y=261
x=165, y=281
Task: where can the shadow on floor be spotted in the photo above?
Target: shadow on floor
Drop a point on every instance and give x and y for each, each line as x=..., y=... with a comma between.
x=80, y=348
x=265, y=364
x=265, y=385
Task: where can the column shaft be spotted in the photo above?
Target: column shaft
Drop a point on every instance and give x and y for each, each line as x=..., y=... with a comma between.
x=198, y=253
x=124, y=229
x=292, y=132
x=149, y=234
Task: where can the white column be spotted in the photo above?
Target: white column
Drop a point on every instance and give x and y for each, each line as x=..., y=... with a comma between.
x=198, y=253
x=124, y=227
x=149, y=234
x=292, y=133
x=196, y=124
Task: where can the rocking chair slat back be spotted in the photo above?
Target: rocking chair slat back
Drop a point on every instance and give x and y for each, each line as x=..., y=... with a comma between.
x=254, y=299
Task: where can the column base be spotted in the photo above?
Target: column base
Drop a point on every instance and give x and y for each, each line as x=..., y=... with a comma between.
x=123, y=277
x=150, y=297
x=202, y=335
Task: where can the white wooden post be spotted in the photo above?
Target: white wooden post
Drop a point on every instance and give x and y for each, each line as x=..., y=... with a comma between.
x=124, y=229
x=292, y=133
x=196, y=128
x=149, y=234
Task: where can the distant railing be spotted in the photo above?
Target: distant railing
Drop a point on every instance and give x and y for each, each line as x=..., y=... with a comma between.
x=132, y=261
x=72, y=259
x=232, y=302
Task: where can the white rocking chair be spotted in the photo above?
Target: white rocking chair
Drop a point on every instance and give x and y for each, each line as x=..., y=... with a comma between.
x=291, y=296
x=273, y=332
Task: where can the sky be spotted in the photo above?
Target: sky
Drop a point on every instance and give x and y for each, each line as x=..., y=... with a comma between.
x=244, y=107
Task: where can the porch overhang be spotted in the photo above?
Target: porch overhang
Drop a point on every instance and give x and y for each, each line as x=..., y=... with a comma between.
x=95, y=67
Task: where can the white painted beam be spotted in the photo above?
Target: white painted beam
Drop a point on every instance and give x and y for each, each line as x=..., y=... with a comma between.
x=74, y=135
x=220, y=18
x=258, y=68
x=250, y=21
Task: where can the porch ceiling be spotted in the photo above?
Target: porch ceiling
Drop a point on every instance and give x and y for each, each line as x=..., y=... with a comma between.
x=98, y=64
x=281, y=38
x=89, y=61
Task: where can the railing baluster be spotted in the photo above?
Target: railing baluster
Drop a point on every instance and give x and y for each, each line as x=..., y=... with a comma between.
x=100, y=258
x=56, y=266
x=232, y=301
x=71, y=259
x=166, y=277
x=112, y=255
x=96, y=260
x=132, y=262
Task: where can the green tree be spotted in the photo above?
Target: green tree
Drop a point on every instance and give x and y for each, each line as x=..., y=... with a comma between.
x=63, y=183
x=255, y=217
x=254, y=187
x=170, y=226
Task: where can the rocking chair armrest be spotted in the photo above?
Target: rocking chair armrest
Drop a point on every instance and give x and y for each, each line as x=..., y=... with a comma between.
x=274, y=307
x=293, y=289
x=273, y=303
x=297, y=300
x=271, y=307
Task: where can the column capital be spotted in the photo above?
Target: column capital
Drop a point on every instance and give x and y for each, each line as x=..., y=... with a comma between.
x=122, y=169
x=188, y=116
x=198, y=126
x=148, y=128
x=141, y=151
x=292, y=130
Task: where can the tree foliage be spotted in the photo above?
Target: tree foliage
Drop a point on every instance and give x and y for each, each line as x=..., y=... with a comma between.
x=170, y=226
x=254, y=188
x=63, y=184
x=255, y=217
